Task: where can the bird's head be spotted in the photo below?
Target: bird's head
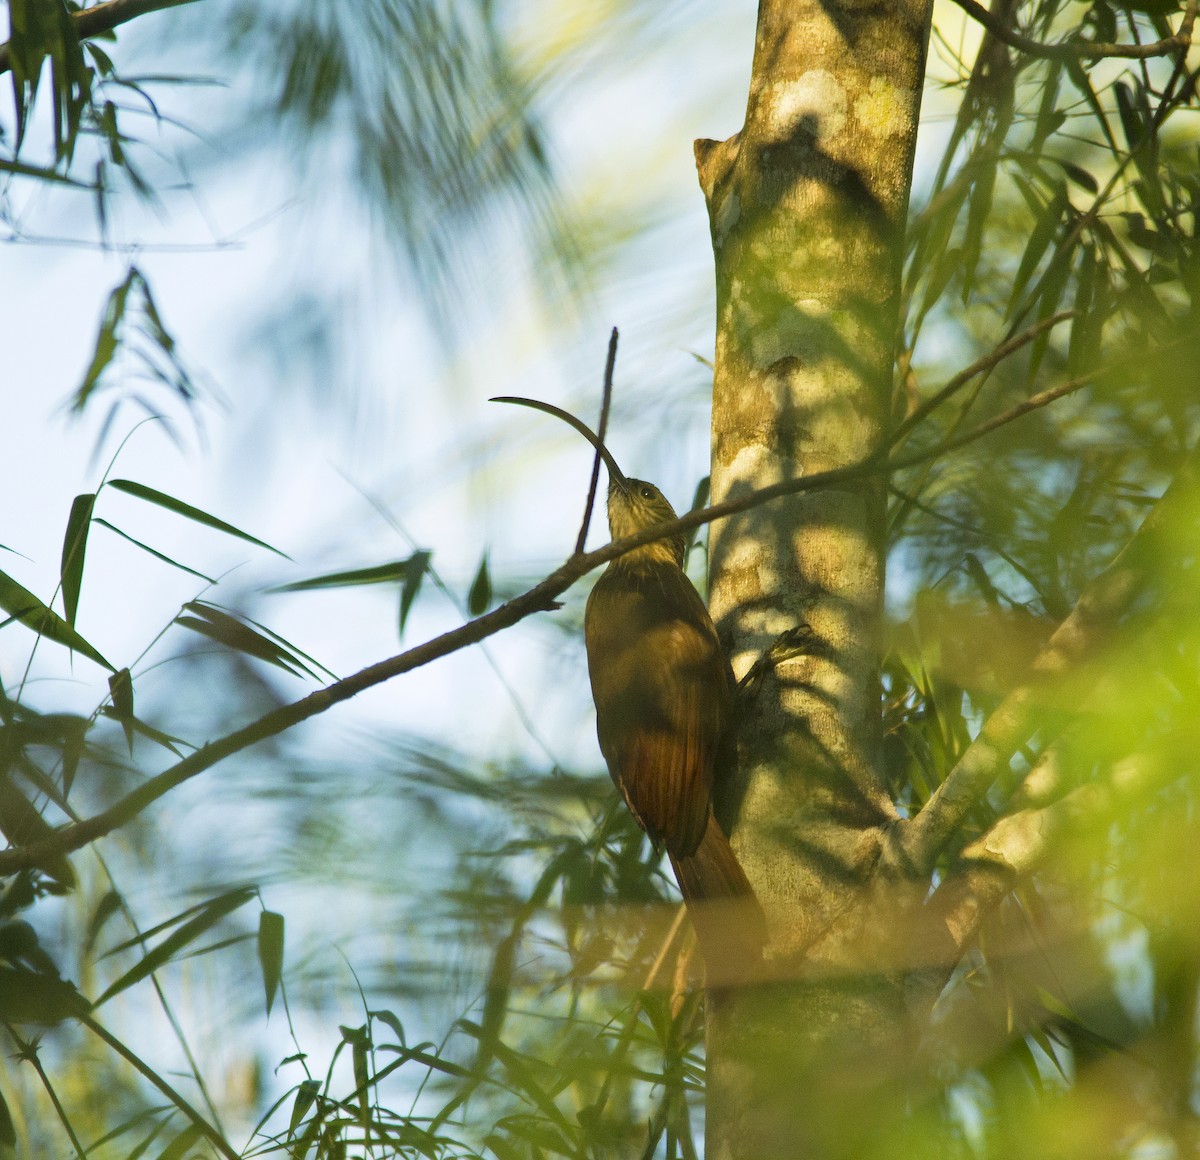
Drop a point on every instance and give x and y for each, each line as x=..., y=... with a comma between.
x=633, y=506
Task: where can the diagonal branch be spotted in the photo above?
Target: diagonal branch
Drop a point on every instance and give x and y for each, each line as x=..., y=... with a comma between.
x=101, y=18
x=539, y=598
x=915, y=846
x=987, y=362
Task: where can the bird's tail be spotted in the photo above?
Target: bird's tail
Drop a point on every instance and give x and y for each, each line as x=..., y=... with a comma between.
x=725, y=912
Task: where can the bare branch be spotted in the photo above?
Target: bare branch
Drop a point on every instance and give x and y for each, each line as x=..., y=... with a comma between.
x=985, y=363
x=601, y=431
x=103, y=18
x=1080, y=49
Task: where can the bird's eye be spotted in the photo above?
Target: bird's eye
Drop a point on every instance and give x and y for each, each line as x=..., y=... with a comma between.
x=647, y=492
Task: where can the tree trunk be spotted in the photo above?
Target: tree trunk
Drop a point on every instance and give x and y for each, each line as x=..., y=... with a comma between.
x=807, y=206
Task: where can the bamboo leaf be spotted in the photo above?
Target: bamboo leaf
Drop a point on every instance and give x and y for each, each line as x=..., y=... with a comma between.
x=270, y=952
x=210, y=913
x=166, y=740
x=391, y=573
x=979, y=211
x=161, y=499
x=222, y=626
x=306, y=1096
x=480, y=595
x=109, y=905
x=33, y=997
x=178, y=1147
x=153, y=552
x=120, y=687
x=8, y=1133
x=418, y=565
x=107, y=340
x=22, y=605
x=1040, y=237
x=1131, y=120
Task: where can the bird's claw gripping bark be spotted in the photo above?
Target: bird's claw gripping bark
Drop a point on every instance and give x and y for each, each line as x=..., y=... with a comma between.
x=793, y=642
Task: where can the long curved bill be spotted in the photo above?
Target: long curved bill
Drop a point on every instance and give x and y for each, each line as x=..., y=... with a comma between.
x=617, y=474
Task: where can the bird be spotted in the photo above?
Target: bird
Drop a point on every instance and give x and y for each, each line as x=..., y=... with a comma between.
x=664, y=692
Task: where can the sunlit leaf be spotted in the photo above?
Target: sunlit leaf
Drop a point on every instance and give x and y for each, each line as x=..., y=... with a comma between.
x=161, y=499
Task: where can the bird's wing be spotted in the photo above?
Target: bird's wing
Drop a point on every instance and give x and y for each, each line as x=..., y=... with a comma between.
x=661, y=691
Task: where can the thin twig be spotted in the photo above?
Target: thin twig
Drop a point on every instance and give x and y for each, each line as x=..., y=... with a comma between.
x=1077, y=49
x=609, y=366
x=985, y=363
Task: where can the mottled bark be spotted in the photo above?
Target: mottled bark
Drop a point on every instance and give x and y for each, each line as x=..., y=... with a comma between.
x=807, y=206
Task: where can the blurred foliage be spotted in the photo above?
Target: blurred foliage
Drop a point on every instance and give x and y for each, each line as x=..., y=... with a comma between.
x=536, y=995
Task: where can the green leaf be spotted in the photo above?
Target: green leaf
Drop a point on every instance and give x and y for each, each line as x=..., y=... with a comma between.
x=359, y=1040
x=306, y=1096
x=108, y=905
x=161, y=499
x=22, y=605
x=480, y=595
x=149, y=732
x=8, y=1134
x=153, y=552
x=33, y=997
x=120, y=688
x=1079, y=176
x=1081, y=331
x=179, y=1146
x=1054, y=284
x=7, y=165
x=391, y=573
x=496, y=997
x=1040, y=237
x=210, y=913
x=270, y=952
x=979, y=211
x=222, y=626
x=106, y=340
x=418, y=565
x=1131, y=119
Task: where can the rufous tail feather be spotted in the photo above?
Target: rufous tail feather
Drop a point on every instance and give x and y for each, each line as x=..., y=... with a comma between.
x=725, y=912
